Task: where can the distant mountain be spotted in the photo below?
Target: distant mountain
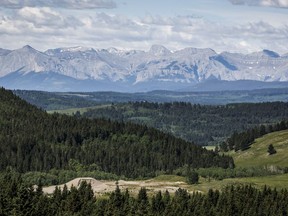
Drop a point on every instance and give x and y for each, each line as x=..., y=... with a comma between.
x=88, y=69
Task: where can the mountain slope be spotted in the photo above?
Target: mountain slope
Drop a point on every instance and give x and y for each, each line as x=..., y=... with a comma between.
x=158, y=68
x=32, y=140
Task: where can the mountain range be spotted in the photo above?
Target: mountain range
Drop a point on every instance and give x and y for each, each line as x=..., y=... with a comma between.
x=88, y=69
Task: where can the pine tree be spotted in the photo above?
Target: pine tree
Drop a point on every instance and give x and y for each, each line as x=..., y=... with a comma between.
x=192, y=176
x=157, y=205
x=143, y=203
x=271, y=150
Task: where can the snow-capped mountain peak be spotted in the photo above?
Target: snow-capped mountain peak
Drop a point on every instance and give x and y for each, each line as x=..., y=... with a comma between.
x=77, y=49
x=113, y=50
x=158, y=67
x=69, y=50
x=159, y=50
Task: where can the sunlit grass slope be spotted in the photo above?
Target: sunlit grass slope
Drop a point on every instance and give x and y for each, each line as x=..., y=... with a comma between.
x=257, y=155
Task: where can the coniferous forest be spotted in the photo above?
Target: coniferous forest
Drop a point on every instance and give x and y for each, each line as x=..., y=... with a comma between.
x=32, y=140
x=202, y=124
x=19, y=199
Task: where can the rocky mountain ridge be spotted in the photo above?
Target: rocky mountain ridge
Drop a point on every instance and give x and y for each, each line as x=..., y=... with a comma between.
x=134, y=70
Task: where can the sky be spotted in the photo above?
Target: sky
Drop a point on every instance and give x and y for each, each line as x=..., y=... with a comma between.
x=241, y=26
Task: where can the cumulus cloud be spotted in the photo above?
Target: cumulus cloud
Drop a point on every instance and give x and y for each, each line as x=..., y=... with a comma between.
x=38, y=23
x=45, y=17
x=266, y=3
x=46, y=28
x=68, y=4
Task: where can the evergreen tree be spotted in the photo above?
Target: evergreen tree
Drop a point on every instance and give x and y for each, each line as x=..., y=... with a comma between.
x=143, y=203
x=192, y=176
x=271, y=150
x=157, y=205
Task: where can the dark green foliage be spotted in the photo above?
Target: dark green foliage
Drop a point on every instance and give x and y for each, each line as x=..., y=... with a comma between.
x=32, y=140
x=203, y=124
x=18, y=198
x=158, y=204
x=238, y=172
x=192, y=177
x=271, y=150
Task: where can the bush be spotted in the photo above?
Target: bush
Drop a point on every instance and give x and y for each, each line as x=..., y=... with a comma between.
x=192, y=177
x=271, y=150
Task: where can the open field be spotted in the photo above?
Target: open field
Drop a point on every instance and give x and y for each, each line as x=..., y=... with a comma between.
x=278, y=181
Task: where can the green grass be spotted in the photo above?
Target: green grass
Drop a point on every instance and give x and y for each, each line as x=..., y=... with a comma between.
x=257, y=155
x=278, y=181
x=169, y=178
x=275, y=181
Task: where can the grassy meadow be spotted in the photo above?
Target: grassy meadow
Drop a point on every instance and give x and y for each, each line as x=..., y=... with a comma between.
x=257, y=154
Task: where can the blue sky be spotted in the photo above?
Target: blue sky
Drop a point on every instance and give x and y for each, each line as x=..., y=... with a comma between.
x=223, y=25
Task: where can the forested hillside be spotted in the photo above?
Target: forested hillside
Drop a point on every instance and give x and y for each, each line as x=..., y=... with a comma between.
x=32, y=140
x=203, y=124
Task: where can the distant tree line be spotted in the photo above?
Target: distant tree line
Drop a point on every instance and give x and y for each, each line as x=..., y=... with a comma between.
x=54, y=100
x=202, y=124
x=19, y=199
x=32, y=140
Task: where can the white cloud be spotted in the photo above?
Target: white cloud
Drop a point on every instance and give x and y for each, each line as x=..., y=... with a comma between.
x=275, y=3
x=69, y=4
x=44, y=17
x=45, y=28
x=266, y=3
x=38, y=23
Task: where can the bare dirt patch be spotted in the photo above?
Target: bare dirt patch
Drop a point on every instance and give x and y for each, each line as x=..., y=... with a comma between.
x=101, y=187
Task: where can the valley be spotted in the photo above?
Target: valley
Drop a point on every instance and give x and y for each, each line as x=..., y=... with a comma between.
x=106, y=152
x=135, y=108
x=201, y=124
